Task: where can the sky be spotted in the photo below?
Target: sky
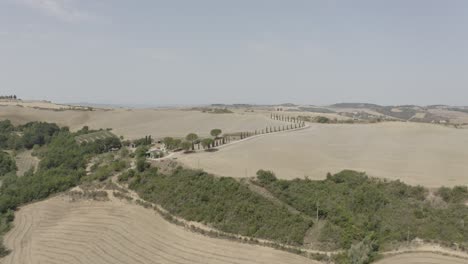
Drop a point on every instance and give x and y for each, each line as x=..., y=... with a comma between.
x=240, y=51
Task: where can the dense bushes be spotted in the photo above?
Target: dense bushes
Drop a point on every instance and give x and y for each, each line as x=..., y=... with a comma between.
x=37, y=133
x=62, y=166
x=265, y=177
x=7, y=163
x=221, y=202
x=172, y=143
x=455, y=195
x=105, y=171
x=103, y=145
x=355, y=206
x=26, y=136
x=146, y=141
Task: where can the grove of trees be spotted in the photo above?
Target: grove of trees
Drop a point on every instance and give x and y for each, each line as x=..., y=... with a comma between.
x=362, y=213
x=9, y=97
x=222, y=202
x=62, y=165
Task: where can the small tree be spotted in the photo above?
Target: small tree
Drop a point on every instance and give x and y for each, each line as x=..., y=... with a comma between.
x=216, y=132
x=186, y=146
x=207, y=143
x=192, y=137
x=265, y=177
x=141, y=164
x=169, y=142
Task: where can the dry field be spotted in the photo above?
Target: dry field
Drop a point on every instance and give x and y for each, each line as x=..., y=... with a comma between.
x=421, y=258
x=424, y=154
x=59, y=231
x=25, y=161
x=454, y=116
x=35, y=104
x=140, y=122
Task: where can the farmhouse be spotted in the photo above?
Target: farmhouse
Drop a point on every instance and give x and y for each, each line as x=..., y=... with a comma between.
x=158, y=151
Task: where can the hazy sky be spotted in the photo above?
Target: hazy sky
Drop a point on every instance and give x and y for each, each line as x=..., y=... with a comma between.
x=237, y=51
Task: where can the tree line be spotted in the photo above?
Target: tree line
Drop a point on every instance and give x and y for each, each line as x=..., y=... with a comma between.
x=363, y=214
x=9, y=97
x=192, y=140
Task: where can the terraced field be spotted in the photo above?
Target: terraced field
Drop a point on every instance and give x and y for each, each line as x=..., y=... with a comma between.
x=422, y=258
x=59, y=231
x=94, y=136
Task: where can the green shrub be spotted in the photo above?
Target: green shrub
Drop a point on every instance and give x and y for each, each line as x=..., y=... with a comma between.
x=265, y=177
x=221, y=202
x=355, y=206
x=7, y=163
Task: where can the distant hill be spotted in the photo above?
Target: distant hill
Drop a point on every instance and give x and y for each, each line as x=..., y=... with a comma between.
x=312, y=110
x=355, y=105
x=288, y=105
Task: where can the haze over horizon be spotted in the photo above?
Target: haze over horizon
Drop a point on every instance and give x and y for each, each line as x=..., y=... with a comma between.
x=264, y=52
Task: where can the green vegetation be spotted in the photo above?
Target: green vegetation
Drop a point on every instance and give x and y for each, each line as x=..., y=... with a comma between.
x=318, y=119
x=358, y=209
x=8, y=97
x=192, y=138
x=207, y=143
x=7, y=164
x=186, y=146
x=140, y=155
x=143, y=141
x=221, y=202
x=104, y=138
x=26, y=136
x=458, y=194
x=362, y=215
x=62, y=166
x=216, y=132
x=104, y=171
x=38, y=133
x=172, y=143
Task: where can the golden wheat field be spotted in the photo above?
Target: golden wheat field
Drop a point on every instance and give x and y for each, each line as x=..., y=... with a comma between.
x=59, y=231
x=134, y=123
x=425, y=154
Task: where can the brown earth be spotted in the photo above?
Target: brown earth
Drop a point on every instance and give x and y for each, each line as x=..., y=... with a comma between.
x=425, y=154
x=60, y=231
x=422, y=258
x=135, y=123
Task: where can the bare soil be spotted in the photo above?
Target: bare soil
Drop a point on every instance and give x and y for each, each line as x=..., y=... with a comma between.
x=418, y=154
x=58, y=230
